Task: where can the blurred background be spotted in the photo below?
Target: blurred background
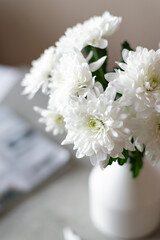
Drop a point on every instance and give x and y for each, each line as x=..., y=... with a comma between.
x=27, y=27
x=30, y=26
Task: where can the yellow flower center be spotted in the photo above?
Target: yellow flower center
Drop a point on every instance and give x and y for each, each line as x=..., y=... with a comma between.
x=151, y=83
x=95, y=124
x=59, y=119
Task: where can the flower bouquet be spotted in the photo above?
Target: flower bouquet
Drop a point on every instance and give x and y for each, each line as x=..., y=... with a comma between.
x=108, y=115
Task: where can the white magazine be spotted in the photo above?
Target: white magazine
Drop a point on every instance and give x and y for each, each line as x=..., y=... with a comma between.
x=27, y=157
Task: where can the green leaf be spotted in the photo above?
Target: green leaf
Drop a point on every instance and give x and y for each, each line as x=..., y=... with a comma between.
x=126, y=45
x=136, y=161
x=121, y=161
x=97, y=54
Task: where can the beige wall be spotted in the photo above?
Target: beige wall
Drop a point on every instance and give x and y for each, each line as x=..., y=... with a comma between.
x=29, y=26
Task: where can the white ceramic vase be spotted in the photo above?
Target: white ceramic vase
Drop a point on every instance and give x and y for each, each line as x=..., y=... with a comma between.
x=123, y=207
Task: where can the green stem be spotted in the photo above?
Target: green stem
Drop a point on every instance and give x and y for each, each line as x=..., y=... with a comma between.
x=97, y=54
x=100, y=72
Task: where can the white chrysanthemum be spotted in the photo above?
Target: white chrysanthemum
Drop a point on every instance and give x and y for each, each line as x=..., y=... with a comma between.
x=71, y=77
x=96, y=126
x=39, y=74
x=53, y=120
x=92, y=32
x=140, y=81
x=148, y=133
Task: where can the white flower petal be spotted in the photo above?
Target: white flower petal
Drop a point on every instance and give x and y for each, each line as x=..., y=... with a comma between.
x=96, y=65
x=90, y=55
x=111, y=76
x=101, y=43
x=125, y=54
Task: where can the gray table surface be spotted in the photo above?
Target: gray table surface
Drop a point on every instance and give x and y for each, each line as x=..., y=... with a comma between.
x=61, y=202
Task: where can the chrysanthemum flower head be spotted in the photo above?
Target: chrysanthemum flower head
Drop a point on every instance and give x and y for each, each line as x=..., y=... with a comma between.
x=92, y=32
x=71, y=77
x=147, y=133
x=139, y=79
x=52, y=118
x=96, y=126
x=39, y=74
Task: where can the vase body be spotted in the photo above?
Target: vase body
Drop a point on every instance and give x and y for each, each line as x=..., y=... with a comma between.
x=123, y=207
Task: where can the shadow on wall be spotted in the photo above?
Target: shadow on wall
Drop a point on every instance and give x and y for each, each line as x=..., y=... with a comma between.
x=28, y=27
